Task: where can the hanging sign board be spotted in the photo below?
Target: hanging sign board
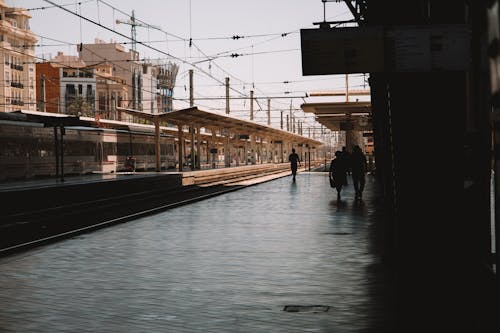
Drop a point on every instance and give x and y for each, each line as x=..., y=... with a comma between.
x=399, y=49
x=342, y=50
x=430, y=48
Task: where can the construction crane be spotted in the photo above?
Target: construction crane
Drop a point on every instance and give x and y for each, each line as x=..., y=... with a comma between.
x=133, y=23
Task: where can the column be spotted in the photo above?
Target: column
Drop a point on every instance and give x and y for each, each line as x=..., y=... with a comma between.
x=192, y=130
x=181, y=146
x=215, y=148
x=157, y=144
x=198, y=148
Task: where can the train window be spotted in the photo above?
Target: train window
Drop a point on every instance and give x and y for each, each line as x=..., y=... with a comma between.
x=170, y=149
x=109, y=148
x=123, y=148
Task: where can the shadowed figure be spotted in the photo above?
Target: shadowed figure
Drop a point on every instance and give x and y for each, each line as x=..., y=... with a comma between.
x=346, y=156
x=358, y=169
x=337, y=174
x=294, y=160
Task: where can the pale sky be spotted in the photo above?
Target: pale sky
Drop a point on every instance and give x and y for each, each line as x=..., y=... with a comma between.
x=267, y=59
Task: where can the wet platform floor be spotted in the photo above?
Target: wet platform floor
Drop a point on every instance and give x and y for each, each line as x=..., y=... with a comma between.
x=231, y=263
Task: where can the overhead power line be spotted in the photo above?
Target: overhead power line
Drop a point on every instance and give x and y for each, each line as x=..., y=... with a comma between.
x=141, y=43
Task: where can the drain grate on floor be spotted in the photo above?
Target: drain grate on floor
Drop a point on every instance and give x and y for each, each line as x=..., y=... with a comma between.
x=306, y=308
x=337, y=233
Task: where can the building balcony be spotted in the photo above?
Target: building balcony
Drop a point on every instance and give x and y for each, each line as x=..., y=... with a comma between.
x=17, y=85
x=4, y=24
x=16, y=102
x=17, y=67
x=79, y=74
x=5, y=45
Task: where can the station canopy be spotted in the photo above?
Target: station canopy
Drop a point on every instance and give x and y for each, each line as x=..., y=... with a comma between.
x=195, y=117
x=339, y=116
x=48, y=119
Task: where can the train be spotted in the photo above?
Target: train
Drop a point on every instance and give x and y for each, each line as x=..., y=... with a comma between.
x=28, y=150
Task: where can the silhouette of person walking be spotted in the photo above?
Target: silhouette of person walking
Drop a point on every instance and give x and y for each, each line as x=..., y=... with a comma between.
x=338, y=170
x=346, y=156
x=358, y=169
x=294, y=159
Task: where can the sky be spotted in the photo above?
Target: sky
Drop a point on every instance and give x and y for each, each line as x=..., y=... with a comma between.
x=269, y=56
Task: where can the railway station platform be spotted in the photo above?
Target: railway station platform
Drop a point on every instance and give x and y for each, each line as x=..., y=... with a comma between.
x=275, y=257
x=176, y=178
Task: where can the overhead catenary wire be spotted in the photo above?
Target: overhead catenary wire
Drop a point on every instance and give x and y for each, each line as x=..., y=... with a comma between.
x=244, y=93
x=142, y=43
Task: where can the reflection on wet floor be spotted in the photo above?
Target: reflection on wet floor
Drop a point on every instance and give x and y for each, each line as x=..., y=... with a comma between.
x=231, y=263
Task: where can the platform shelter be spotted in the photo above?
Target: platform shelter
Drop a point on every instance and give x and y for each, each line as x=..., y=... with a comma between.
x=352, y=117
x=239, y=141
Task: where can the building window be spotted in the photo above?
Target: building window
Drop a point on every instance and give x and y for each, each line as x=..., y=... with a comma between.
x=70, y=89
x=90, y=94
x=102, y=102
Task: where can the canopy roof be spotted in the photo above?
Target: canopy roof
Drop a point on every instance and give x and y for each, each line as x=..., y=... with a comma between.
x=48, y=119
x=195, y=117
x=338, y=116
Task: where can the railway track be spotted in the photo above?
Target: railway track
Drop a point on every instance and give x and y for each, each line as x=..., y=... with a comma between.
x=27, y=229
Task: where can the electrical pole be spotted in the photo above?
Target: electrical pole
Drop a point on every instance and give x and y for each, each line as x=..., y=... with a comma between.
x=251, y=104
x=42, y=89
x=191, y=95
x=268, y=112
x=227, y=95
x=132, y=22
x=347, y=87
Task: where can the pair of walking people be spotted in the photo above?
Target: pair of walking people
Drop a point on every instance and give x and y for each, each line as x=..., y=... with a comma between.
x=344, y=162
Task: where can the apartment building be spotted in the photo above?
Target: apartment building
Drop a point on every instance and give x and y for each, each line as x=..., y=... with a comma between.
x=66, y=85
x=126, y=66
x=149, y=85
x=111, y=92
x=17, y=60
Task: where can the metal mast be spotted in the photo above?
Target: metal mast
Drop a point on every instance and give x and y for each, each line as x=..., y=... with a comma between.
x=133, y=24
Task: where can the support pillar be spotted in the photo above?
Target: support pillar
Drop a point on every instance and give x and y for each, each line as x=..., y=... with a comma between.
x=352, y=138
x=246, y=152
x=56, y=150
x=252, y=149
x=157, y=144
x=193, y=151
x=262, y=156
x=271, y=146
x=198, y=148
x=63, y=132
x=227, y=153
x=215, y=148
x=281, y=152
x=237, y=147
x=180, y=138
